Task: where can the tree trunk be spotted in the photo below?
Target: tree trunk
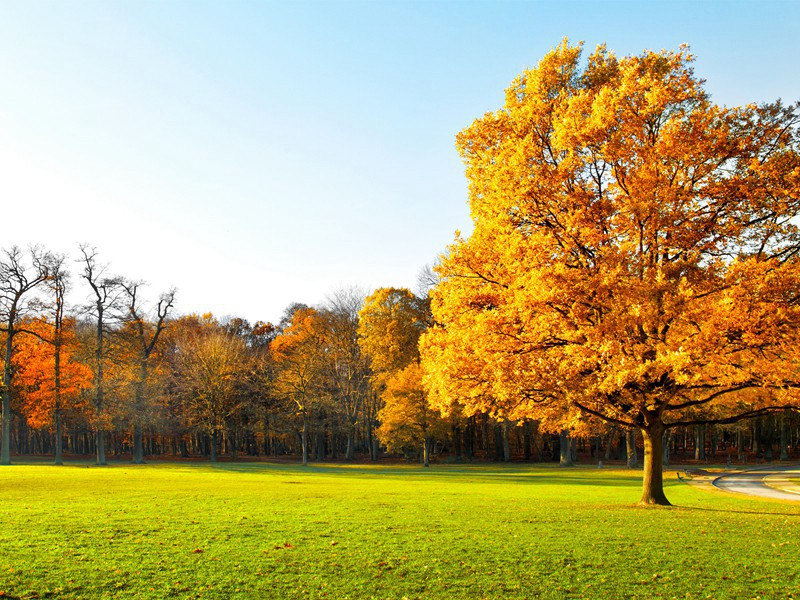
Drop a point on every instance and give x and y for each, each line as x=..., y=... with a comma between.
x=5, y=443
x=59, y=438
x=506, y=443
x=653, y=480
x=609, y=444
x=214, y=446
x=303, y=440
x=630, y=441
x=138, y=445
x=784, y=437
x=351, y=442
x=101, y=448
x=564, y=447
x=526, y=441
x=426, y=450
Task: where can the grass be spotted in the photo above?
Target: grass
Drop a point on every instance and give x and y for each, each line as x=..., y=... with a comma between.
x=277, y=531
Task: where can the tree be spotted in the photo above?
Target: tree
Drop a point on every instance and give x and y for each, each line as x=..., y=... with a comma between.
x=50, y=379
x=345, y=365
x=142, y=335
x=634, y=256
x=407, y=420
x=211, y=374
x=105, y=297
x=19, y=276
x=298, y=353
x=390, y=324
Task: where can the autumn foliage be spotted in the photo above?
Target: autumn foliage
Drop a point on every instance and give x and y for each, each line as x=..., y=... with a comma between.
x=634, y=255
x=35, y=366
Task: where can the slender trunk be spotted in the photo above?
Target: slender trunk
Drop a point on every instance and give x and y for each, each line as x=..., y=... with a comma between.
x=351, y=441
x=506, y=444
x=59, y=438
x=566, y=451
x=426, y=450
x=214, y=446
x=632, y=455
x=59, y=460
x=784, y=437
x=303, y=439
x=5, y=444
x=740, y=445
x=700, y=443
x=653, y=479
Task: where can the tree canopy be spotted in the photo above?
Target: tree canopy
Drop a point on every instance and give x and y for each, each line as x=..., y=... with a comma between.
x=634, y=253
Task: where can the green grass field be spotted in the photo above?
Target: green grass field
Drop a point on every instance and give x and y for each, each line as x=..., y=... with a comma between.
x=277, y=531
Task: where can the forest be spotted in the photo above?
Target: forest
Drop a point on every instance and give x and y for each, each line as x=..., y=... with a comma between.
x=118, y=377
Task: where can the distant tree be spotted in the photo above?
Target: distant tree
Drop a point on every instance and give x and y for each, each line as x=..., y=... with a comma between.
x=141, y=336
x=105, y=298
x=298, y=356
x=212, y=374
x=407, y=420
x=345, y=366
x=20, y=274
x=50, y=381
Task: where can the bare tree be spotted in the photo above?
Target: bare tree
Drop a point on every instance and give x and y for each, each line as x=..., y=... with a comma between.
x=145, y=337
x=105, y=298
x=347, y=367
x=20, y=274
x=58, y=283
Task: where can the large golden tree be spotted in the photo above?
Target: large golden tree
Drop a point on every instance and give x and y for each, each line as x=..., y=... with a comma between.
x=634, y=253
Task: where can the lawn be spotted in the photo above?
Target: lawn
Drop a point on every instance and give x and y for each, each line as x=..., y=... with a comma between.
x=256, y=530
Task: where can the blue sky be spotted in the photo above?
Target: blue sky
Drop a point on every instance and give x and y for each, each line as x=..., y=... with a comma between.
x=254, y=154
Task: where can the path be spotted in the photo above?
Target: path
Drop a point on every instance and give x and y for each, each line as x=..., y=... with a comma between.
x=774, y=482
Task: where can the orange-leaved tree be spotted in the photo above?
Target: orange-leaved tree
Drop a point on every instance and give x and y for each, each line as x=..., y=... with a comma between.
x=634, y=255
x=390, y=324
x=298, y=355
x=51, y=380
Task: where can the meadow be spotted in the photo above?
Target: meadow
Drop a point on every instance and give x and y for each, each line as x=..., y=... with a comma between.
x=255, y=530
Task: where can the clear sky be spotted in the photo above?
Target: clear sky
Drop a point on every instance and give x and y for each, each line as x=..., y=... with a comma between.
x=254, y=154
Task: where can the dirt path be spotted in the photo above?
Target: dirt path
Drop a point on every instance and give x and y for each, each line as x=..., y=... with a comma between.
x=779, y=483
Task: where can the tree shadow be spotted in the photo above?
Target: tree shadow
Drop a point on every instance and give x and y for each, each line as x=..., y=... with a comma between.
x=738, y=511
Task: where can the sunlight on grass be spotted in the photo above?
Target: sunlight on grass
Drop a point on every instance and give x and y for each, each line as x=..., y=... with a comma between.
x=250, y=530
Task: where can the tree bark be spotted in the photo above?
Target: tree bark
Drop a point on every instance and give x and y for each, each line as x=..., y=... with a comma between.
x=351, y=441
x=303, y=440
x=565, y=449
x=630, y=442
x=59, y=460
x=506, y=443
x=214, y=446
x=5, y=445
x=784, y=437
x=653, y=479
x=101, y=447
x=426, y=450
x=138, y=445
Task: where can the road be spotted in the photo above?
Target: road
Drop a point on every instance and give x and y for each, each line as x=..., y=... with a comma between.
x=757, y=483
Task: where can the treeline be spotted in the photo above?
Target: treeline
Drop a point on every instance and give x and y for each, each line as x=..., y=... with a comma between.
x=120, y=376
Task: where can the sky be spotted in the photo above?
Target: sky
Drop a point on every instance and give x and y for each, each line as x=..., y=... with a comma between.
x=255, y=154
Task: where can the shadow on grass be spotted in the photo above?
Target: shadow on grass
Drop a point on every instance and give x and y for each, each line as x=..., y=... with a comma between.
x=738, y=511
